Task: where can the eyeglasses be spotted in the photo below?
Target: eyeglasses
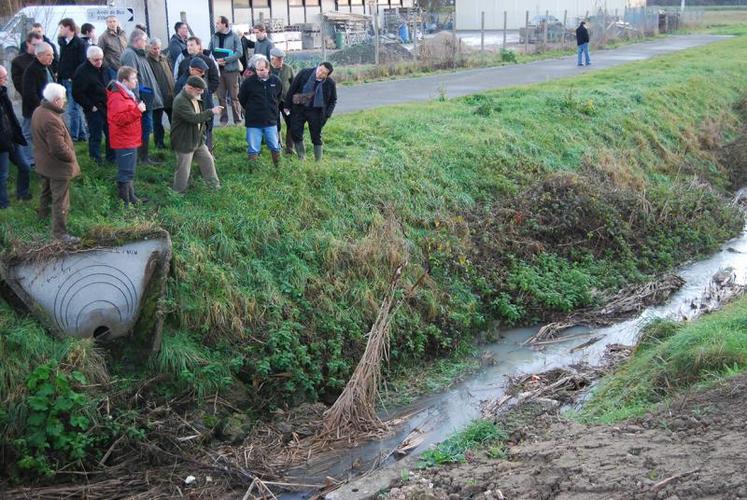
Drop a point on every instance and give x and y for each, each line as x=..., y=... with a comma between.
x=97, y=59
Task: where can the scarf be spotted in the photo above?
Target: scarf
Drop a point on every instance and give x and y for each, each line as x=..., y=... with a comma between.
x=308, y=88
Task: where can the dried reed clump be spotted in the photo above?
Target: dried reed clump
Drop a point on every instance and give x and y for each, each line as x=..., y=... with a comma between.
x=355, y=409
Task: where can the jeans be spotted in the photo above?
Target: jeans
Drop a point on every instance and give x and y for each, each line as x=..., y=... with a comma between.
x=126, y=163
x=22, y=182
x=254, y=139
x=75, y=114
x=97, y=127
x=27, y=151
x=583, y=49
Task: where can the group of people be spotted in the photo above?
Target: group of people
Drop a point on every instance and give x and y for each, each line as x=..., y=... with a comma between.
x=120, y=89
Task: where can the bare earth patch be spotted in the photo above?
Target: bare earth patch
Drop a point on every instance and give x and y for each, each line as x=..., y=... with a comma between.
x=694, y=448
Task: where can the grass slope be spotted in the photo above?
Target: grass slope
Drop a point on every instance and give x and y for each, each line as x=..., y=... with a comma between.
x=598, y=181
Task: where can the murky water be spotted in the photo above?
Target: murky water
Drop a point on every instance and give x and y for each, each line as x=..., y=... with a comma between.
x=440, y=415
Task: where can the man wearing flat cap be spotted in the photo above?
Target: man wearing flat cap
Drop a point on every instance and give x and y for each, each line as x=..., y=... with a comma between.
x=188, y=134
x=198, y=67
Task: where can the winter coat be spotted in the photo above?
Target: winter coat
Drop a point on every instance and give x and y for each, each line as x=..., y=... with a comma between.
x=123, y=118
x=231, y=42
x=207, y=97
x=176, y=47
x=72, y=55
x=329, y=91
x=582, y=35
x=34, y=81
x=138, y=60
x=53, y=147
x=260, y=100
x=286, y=75
x=18, y=67
x=164, y=76
x=55, y=59
x=113, y=44
x=89, y=86
x=212, y=78
x=187, y=125
x=260, y=47
x=14, y=135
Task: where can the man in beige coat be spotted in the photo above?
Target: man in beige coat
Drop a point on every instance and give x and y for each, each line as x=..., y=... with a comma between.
x=113, y=41
x=56, y=164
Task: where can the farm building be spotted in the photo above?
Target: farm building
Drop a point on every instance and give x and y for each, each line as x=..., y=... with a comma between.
x=469, y=12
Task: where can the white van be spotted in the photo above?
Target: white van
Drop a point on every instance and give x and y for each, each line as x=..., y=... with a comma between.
x=15, y=30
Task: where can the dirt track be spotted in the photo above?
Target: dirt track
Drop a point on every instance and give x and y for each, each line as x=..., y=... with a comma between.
x=696, y=448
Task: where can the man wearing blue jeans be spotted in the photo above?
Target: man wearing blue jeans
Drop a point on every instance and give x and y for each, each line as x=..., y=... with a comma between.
x=582, y=40
x=11, y=139
x=260, y=96
x=72, y=55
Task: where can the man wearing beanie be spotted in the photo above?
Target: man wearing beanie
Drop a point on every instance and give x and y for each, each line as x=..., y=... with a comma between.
x=188, y=134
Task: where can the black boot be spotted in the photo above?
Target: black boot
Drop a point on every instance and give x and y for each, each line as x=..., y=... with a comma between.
x=275, y=158
x=131, y=194
x=123, y=192
x=144, y=157
x=301, y=150
x=318, y=152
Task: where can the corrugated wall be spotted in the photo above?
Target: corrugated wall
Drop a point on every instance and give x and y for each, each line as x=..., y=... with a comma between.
x=468, y=12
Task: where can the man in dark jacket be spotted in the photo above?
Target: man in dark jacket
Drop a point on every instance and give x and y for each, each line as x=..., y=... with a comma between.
x=582, y=40
x=39, y=30
x=89, y=90
x=311, y=98
x=286, y=75
x=260, y=96
x=72, y=55
x=35, y=78
x=17, y=69
x=187, y=134
x=11, y=138
x=212, y=76
x=178, y=42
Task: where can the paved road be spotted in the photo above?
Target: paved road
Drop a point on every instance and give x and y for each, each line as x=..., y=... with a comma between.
x=467, y=82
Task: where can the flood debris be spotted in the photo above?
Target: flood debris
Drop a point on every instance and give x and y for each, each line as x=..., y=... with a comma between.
x=722, y=288
x=623, y=305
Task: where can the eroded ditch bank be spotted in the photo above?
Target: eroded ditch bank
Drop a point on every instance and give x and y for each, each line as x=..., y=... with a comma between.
x=435, y=418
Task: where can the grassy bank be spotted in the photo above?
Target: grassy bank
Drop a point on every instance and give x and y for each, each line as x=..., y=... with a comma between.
x=672, y=359
x=521, y=204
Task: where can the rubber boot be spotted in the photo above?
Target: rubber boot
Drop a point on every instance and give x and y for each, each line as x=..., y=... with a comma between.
x=301, y=150
x=275, y=158
x=288, y=143
x=144, y=156
x=253, y=157
x=131, y=194
x=318, y=152
x=123, y=192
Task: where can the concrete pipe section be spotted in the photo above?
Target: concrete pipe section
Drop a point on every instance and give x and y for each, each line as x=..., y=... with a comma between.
x=92, y=293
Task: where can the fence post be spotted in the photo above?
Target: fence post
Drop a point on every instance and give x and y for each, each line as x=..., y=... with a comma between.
x=604, y=39
x=482, y=31
x=324, y=41
x=565, y=28
x=375, y=15
x=456, y=39
x=544, y=31
x=505, y=27
x=526, y=35
x=415, y=34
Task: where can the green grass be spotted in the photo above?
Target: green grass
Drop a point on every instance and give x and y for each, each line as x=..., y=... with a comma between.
x=479, y=435
x=521, y=203
x=671, y=359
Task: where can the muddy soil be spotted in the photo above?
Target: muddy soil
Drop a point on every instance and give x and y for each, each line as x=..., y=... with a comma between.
x=693, y=448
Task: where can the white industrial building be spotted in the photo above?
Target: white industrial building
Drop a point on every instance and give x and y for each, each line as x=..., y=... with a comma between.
x=469, y=12
x=162, y=14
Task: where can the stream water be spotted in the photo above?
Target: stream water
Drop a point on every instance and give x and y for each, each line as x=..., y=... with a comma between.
x=439, y=415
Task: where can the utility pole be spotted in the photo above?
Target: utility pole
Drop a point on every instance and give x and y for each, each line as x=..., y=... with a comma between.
x=682, y=6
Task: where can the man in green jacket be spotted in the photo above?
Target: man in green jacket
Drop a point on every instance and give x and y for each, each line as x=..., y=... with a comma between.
x=187, y=134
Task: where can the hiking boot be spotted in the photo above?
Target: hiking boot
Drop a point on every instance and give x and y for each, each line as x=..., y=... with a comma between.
x=275, y=158
x=123, y=192
x=131, y=194
x=253, y=157
x=318, y=152
x=301, y=150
